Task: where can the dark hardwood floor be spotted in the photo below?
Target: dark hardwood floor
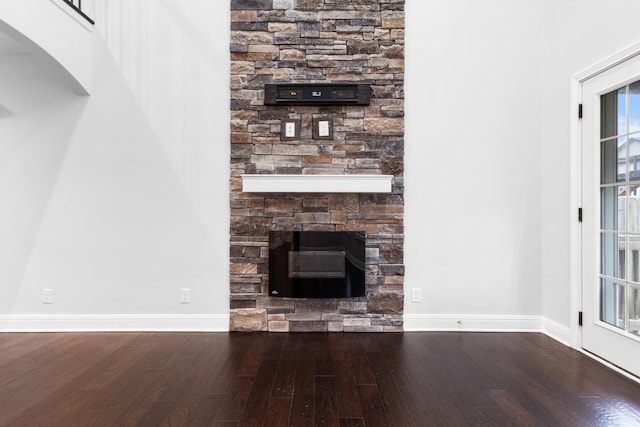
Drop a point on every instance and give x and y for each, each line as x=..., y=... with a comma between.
x=219, y=379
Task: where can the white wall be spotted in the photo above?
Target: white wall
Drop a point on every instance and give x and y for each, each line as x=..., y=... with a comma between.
x=174, y=55
x=473, y=164
x=98, y=209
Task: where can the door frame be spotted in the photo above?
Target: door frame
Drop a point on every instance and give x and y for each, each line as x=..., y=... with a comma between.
x=575, y=228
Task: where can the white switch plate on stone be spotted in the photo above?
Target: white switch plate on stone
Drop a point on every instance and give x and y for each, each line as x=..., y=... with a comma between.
x=290, y=130
x=323, y=128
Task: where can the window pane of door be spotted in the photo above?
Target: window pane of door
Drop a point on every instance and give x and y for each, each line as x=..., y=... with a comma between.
x=634, y=107
x=613, y=113
x=612, y=206
x=613, y=160
x=634, y=310
x=612, y=303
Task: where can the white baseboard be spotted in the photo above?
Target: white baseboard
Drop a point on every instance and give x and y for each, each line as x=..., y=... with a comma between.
x=220, y=323
x=487, y=323
x=472, y=323
x=557, y=331
x=114, y=323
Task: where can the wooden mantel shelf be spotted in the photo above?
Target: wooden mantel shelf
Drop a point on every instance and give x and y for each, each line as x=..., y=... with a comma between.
x=270, y=183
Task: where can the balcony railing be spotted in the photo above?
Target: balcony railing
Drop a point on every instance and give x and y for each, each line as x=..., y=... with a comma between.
x=77, y=6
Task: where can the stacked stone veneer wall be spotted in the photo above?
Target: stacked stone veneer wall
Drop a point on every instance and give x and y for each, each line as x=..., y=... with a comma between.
x=325, y=41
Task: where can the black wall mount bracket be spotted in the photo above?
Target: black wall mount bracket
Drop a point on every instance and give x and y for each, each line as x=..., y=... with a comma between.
x=317, y=94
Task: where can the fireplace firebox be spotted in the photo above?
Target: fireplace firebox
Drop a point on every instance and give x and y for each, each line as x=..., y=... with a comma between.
x=317, y=264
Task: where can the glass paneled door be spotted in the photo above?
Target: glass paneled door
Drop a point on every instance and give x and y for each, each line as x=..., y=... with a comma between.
x=611, y=227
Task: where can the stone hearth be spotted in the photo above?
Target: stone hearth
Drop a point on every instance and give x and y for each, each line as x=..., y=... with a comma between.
x=320, y=41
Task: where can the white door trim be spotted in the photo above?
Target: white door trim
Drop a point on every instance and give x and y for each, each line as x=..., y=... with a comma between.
x=575, y=170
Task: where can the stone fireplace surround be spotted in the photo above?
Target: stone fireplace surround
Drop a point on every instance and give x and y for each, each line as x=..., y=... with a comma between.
x=319, y=41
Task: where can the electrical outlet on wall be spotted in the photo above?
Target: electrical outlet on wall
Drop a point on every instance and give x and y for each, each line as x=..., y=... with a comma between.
x=185, y=295
x=47, y=296
x=416, y=294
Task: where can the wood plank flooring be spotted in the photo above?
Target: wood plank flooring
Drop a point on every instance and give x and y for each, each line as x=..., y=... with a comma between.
x=313, y=379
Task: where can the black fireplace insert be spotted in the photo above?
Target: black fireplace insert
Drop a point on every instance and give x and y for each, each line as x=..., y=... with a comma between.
x=317, y=264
